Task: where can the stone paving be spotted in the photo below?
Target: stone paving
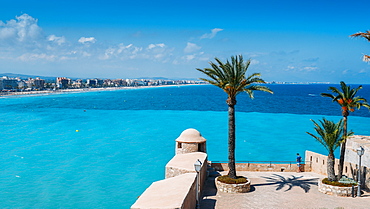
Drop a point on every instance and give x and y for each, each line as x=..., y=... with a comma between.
x=279, y=190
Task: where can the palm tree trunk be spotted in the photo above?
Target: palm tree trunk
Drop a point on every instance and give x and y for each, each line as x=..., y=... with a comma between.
x=343, y=146
x=330, y=168
x=231, y=141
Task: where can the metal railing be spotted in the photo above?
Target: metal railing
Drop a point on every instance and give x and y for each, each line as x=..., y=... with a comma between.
x=268, y=162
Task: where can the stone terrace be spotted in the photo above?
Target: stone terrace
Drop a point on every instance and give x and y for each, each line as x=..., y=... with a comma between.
x=279, y=190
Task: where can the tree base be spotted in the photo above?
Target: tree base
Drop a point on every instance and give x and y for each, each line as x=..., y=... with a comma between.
x=233, y=188
x=336, y=190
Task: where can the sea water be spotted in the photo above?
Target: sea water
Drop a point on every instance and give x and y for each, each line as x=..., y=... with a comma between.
x=103, y=149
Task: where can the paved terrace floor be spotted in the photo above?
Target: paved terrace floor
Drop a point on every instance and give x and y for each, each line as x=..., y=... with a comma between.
x=279, y=190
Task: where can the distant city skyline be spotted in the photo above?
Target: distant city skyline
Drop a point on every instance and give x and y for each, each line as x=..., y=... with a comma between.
x=288, y=41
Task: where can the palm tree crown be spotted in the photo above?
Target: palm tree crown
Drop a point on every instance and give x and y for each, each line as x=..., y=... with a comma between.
x=347, y=98
x=330, y=135
x=231, y=78
x=365, y=35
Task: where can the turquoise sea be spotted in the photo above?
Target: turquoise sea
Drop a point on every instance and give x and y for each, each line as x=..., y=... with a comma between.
x=103, y=149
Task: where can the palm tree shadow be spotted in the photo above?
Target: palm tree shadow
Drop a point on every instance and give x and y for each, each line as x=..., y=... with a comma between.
x=289, y=182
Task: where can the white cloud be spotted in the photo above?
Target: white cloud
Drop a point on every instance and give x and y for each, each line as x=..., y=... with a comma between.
x=21, y=39
x=362, y=71
x=62, y=58
x=309, y=69
x=346, y=71
x=23, y=29
x=121, y=51
x=300, y=69
x=56, y=39
x=7, y=32
x=190, y=57
x=84, y=40
x=152, y=46
x=190, y=47
x=194, y=57
x=157, y=52
x=212, y=34
x=33, y=56
x=86, y=54
x=255, y=62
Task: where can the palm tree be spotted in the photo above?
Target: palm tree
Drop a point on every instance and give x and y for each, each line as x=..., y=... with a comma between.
x=365, y=35
x=348, y=101
x=330, y=136
x=231, y=78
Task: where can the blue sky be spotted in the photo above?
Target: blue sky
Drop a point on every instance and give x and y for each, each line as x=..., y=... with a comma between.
x=304, y=41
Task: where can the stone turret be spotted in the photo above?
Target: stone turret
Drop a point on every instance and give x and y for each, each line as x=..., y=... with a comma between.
x=189, y=141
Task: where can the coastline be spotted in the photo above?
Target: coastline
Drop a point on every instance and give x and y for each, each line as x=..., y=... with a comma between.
x=83, y=90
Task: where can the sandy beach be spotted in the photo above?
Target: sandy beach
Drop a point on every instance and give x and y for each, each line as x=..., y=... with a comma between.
x=61, y=91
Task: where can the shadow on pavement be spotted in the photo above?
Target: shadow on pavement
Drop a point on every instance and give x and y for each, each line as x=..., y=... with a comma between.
x=208, y=204
x=290, y=182
x=209, y=191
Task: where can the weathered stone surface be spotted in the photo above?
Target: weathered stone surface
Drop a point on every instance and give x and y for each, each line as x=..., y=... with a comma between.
x=190, y=141
x=335, y=190
x=233, y=188
x=171, y=193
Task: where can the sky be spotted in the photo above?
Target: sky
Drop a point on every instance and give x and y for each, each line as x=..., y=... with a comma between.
x=291, y=41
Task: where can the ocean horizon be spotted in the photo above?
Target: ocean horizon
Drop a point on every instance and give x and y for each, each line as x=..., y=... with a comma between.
x=103, y=149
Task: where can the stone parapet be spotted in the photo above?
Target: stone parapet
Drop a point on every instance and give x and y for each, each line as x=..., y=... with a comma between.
x=261, y=167
x=172, y=193
x=184, y=163
x=179, y=188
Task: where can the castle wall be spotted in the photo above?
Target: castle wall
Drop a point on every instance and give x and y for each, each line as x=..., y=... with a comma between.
x=179, y=188
x=319, y=165
x=186, y=147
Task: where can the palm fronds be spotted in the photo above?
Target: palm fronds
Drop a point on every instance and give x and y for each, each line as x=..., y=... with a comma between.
x=346, y=97
x=366, y=35
x=329, y=134
x=231, y=77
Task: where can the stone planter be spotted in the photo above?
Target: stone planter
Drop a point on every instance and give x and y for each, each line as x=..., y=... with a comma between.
x=233, y=188
x=336, y=190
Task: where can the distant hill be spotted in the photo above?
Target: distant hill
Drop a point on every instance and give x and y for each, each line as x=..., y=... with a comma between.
x=25, y=77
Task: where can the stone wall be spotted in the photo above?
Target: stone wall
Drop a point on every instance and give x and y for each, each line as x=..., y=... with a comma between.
x=262, y=167
x=319, y=165
x=354, y=142
x=184, y=163
x=179, y=188
x=183, y=147
x=172, y=193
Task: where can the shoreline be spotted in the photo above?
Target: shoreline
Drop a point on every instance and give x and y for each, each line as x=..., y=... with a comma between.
x=84, y=90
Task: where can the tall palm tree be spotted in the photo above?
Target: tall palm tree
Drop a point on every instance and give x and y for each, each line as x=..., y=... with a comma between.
x=365, y=35
x=330, y=136
x=231, y=78
x=348, y=101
